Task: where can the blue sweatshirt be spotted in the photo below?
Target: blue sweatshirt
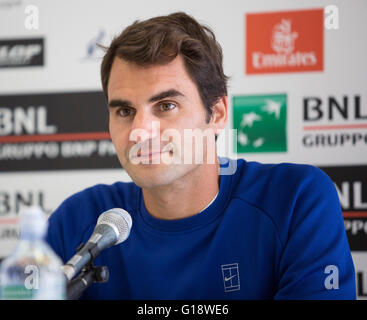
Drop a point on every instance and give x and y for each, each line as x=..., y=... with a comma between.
x=275, y=231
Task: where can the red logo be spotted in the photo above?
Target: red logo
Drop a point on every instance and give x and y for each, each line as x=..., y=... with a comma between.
x=287, y=41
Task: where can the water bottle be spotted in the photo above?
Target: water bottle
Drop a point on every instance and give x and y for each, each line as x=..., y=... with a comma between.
x=33, y=270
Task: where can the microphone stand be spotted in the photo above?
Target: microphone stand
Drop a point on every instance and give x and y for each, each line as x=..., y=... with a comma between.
x=89, y=274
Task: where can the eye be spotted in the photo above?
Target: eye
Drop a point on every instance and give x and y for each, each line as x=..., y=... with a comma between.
x=125, y=112
x=166, y=106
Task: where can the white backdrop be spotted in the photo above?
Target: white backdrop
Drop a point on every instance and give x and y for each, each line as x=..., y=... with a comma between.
x=71, y=27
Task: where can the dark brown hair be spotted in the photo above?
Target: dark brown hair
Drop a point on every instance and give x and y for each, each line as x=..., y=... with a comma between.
x=160, y=39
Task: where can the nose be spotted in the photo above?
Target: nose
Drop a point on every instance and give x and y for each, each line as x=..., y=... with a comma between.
x=145, y=126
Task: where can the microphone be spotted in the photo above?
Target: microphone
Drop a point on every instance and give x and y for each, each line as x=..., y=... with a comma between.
x=113, y=227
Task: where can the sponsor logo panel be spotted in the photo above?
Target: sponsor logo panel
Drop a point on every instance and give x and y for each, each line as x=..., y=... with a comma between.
x=55, y=131
x=286, y=41
x=10, y=4
x=351, y=184
x=11, y=204
x=360, y=265
x=15, y=53
x=334, y=121
x=261, y=123
x=93, y=50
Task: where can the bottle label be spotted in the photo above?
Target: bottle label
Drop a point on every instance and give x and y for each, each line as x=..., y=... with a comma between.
x=17, y=292
x=50, y=291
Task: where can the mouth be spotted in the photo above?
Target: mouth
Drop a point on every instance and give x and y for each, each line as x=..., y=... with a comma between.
x=150, y=154
x=141, y=156
x=145, y=152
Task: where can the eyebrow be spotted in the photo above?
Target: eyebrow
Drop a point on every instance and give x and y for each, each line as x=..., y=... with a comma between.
x=171, y=93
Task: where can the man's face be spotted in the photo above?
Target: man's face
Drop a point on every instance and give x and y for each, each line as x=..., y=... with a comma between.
x=146, y=103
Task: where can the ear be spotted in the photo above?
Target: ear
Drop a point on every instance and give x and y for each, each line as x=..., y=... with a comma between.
x=220, y=114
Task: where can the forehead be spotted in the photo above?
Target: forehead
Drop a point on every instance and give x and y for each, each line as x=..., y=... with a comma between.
x=130, y=79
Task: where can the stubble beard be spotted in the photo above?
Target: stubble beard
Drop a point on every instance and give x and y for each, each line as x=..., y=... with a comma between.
x=158, y=175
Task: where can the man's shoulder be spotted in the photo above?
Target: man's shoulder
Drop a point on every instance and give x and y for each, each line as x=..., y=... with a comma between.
x=76, y=216
x=105, y=194
x=281, y=191
x=97, y=191
x=86, y=205
x=255, y=177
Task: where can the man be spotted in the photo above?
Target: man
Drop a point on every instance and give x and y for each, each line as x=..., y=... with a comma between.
x=264, y=232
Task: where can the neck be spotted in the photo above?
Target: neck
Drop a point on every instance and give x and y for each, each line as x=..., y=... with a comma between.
x=186, y=196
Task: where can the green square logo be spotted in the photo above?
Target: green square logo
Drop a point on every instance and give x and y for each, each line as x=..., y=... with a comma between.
x=261, y=123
